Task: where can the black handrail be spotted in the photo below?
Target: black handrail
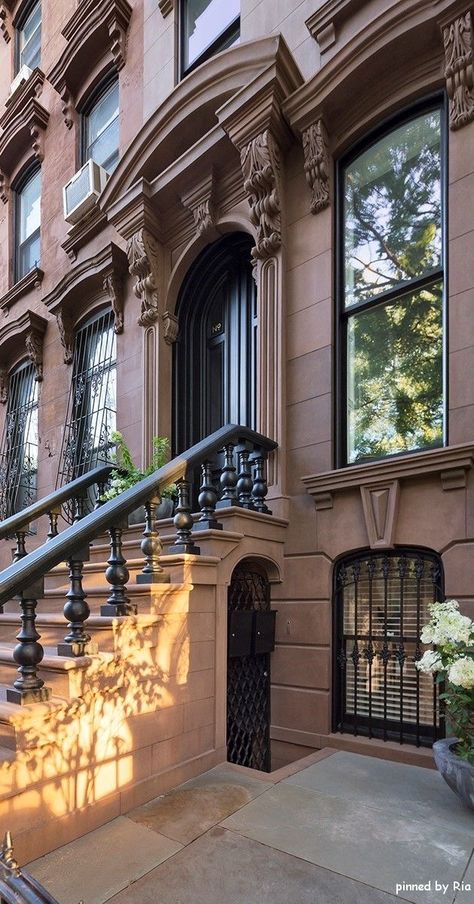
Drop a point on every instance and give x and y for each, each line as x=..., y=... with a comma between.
x=23, y=573
x=16, y=885
x=54, y=500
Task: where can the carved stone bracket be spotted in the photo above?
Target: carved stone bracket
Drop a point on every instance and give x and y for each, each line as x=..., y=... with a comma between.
x=380, y=505
x=200, y=203
x=261, y=171
x=34, y=349
x=458, y=49
x=143, y=262
x=4, y=27
x=3, y=385
x=113, y=285
x=4, y=188
x=68, y=108
x=170, y=327
x=66, y=334
x=316, y=164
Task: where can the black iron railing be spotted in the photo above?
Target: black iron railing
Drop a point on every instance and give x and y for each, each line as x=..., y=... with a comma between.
x=16, y=885
x=242, y=483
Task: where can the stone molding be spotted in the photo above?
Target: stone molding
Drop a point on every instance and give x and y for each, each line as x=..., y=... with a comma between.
x=261, y=171
x=22, y=126
x=100, y=275
x=143, y=263
x=451, y=464
x=170, y=327
x=5, y=23
x=97, y=29
x=166, y=7
x=32, y=280
x=83, y=231
x=3, y=385
x=459, y=58
x=200, y=202
x=380, y=506
x=316, y=164
x=323, y=25
x=26, y=331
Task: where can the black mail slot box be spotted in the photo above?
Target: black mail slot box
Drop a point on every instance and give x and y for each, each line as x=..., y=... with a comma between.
x=264, y=632
x=240, y=633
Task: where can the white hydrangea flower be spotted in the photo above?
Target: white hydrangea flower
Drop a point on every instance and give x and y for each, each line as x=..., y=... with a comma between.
x=429, y=662
x=447, y=625
x=461, y=673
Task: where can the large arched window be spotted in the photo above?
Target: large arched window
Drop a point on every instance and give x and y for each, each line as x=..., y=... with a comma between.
x=381, y=604
x=19, y=449
x=27, y=223
x=100, y=126
x=391, y=280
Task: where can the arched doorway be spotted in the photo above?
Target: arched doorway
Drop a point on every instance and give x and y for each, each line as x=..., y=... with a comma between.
x=382, y=602
x=215, y=354
x=251, y=640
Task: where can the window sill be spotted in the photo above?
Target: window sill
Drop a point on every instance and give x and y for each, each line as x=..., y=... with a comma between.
x=32, y=280
x=451, y=463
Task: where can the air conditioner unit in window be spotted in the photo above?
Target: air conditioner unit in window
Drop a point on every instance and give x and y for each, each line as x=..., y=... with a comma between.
x=81, y=192
x=22, y=75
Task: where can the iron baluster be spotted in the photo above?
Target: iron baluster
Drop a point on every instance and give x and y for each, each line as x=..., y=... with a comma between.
x=183, y=522
x=400, y=654
x=76, y=610
x=369, y=653
x=78, y=508
x=117, y=575
x=355, y=655
x=207, y=501
x=28, y=653
x=101, y=488
x=419, y=569
x=245, y=481
x=20, y=551
x=53, y=516
x=152, y=548
x=260, y=489
x=228, y=480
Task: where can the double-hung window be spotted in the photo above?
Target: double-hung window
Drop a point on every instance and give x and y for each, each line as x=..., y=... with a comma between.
x=27, y=224
x=207, y=26
x=28, y=48
x=392, y=288
x=100, y=132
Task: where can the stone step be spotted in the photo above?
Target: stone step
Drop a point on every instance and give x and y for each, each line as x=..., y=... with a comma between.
x=93, y=574
x=52, y=627
x=97, y=594
x=63, y=674
x=7, y=730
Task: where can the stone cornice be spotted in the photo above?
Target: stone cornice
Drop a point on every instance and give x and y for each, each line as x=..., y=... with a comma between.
x=32, y=280
x=23, y=123
x=28, y=331
x=83, y=231
x=324, y=23
x=87, y=275
x=97, y=29
x=451, y=463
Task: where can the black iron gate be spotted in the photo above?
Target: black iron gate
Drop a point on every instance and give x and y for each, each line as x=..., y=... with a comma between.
x=382, y=603
x=251, y=636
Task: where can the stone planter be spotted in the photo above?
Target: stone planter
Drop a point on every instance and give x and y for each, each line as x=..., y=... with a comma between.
x=164, y=510
x=458, y=773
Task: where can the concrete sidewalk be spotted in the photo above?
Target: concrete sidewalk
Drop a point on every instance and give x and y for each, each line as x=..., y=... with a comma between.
x=344, y=829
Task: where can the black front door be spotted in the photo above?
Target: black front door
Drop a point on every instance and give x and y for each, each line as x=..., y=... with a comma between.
x=215, y=355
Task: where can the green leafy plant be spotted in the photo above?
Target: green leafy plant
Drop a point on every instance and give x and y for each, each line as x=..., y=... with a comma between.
x=127, y=474
x=452, y=661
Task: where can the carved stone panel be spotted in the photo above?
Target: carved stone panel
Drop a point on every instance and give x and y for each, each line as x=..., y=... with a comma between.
x=380, y=505
x=66, y=334
x=3, y=385
x=201, y=204
x=170, y=327
x=261, y=171
x=316, y=164
x=113, y=285
x=143, y=262
x=458, y=49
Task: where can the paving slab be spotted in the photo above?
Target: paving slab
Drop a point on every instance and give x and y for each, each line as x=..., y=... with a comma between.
x=103, y=862
x=410, y=791
x=364, y=843
x=465, y=895
x=224, y=868
x=194, y=807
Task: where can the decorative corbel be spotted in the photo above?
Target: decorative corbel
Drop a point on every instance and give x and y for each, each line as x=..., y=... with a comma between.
x=68, y=108
x=3, y=385
x=4, y=188
x=114, y=287
x=316, y=164
x=459, y=59
x=143, y=262
x=3, y=23
x=170, y=327
x=166, y=7
x=261, y=171
x=34, y=350
x=117, y=24
x=200, y=203
x=37, y=142
x=66, y=334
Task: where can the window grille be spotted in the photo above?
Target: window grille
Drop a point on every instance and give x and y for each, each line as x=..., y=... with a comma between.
x=19, y=449
x=382, y=604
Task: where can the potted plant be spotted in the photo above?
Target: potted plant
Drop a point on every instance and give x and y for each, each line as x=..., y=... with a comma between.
x=452, y=660
x=127, y=475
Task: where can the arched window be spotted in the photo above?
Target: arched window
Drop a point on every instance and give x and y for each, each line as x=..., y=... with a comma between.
x=391, y=285
x=19, y=449
x=28, y=37
x=27, y=223
x=382, y=602
x=100, y=126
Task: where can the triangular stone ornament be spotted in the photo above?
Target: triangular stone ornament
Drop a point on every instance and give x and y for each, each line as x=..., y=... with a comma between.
x=380, y=505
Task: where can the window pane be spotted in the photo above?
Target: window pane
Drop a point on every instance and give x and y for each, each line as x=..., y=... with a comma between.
x=102, y=129
x=30, y=38
x=30, y=204
x=392, y=198
x=204, y=21
x=104, y=150
x=394, y=376
x=29, y=254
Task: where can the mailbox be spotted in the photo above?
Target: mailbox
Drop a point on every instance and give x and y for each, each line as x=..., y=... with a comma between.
x=264, y=632
x=240, y=633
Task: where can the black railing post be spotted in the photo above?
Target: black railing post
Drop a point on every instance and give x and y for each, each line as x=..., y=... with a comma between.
x=78, y=508
x=228, y=480
x=183, y=522
x=28, y=653
x=20, y=551
x=207, y=501
x=151, y=547
x=76, y=610
x=244, y=481
x=117, y=575
x=53, y=516
x=260, y=488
